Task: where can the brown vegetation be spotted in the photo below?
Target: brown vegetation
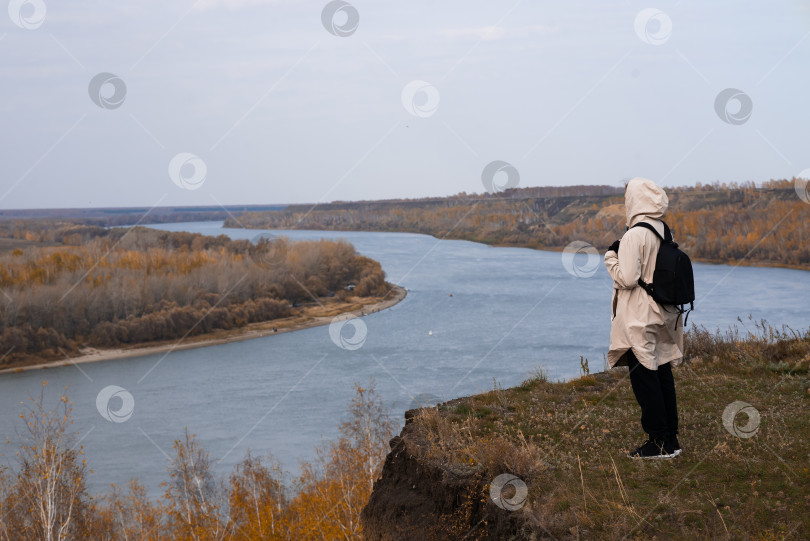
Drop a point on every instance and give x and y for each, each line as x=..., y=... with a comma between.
x=767, y=225
x=48, y=500
x=104, y=288
x=45, y=497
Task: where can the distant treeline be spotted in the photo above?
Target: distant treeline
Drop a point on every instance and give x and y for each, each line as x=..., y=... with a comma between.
x=132, y=215
x=108, y=287
x=765, y=225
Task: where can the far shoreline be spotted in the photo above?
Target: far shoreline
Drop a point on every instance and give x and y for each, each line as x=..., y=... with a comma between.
x=249, y=332
x=541, y=248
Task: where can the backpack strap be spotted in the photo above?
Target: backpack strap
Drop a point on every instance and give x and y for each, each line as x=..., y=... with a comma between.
x=683, y=310
x=691, y=308
x=667, y=233
x=666, y=238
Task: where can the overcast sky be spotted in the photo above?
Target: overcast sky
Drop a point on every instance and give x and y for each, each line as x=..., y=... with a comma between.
x=272, y=101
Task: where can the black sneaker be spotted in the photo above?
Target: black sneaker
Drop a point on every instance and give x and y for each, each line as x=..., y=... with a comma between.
x=673, y=445
x=655, y=449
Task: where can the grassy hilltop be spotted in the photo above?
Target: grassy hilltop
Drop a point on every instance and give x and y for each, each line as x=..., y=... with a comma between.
x=567, y=442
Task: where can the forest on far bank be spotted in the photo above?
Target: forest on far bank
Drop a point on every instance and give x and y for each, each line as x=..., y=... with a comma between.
x=74, y=286
x=766, y=225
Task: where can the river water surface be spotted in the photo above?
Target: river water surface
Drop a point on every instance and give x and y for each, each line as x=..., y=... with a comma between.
x=473, y=314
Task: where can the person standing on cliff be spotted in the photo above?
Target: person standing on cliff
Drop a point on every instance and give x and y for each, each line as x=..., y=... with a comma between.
x=644, y=336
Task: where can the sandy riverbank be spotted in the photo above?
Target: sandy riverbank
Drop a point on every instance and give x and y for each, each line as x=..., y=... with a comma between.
x=308, y=317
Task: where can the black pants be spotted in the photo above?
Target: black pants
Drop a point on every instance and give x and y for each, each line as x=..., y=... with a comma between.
x=655, y=393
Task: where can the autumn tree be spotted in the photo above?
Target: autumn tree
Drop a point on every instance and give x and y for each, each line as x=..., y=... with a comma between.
x=257, y=500
x=336, y=487
x=368, y=430
x=194, y=497
x=128, y=515
x=48, y=499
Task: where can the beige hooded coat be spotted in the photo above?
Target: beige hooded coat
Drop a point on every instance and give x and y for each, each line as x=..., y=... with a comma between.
x=653, y=332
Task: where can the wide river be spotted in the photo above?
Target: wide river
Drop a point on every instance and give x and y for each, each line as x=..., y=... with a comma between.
x=474, y=314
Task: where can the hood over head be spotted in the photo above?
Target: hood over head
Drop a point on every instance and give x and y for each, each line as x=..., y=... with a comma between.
x=643, y=199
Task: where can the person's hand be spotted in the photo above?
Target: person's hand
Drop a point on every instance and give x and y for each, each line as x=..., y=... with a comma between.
x=614, y=247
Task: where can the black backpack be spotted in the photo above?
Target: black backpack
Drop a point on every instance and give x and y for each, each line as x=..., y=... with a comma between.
x=673, y=281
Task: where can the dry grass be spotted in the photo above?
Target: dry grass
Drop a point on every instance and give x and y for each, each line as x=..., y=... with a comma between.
x=568, y=442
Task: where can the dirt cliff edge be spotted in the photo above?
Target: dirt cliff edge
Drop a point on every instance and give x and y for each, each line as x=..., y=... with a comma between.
x=420, y=498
